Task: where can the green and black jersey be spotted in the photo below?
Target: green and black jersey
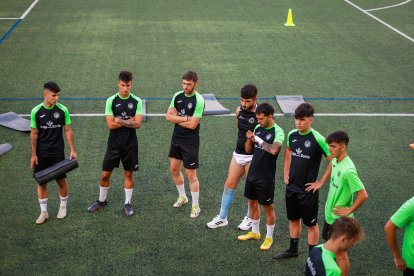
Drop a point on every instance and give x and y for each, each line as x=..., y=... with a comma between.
x=263, y=165
x=322, y=262
x=187, y=106
x=307, y=150
x=124, y=108
x=49, y=123
x=246, y=120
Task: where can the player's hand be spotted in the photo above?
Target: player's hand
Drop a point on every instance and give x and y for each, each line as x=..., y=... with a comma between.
x=313, y=187
x=286, y=179
x=250, y=136
x=341, y=211
x=399, y=263
x=117, y=120
x=172, y=111
x=33, y=162
x=73, y=155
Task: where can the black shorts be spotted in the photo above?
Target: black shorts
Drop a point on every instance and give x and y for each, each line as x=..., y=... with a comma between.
x=325, y=231
x=188, y=152
x=44, y=162
x=128, y=156
x=264, y=192
x=302, y=206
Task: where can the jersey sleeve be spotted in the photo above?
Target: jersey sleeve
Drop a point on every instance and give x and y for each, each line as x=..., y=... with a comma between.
x=322, y=142
x=404, y=214
x=33, y=123
x=139, y=106
x=108, y=106
x=279, y=135
x=173, y=99
x=355, y=184
x=288, y=138
x=66, y=112
x=199, y=109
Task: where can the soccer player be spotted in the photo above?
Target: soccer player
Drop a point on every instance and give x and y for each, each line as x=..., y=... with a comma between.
x=303, y=154
x=404, y=217
x=46, y=121
x=185, y=112
x=344, y=184
x=240, y=162
x=123, y=115
x=265, y=144
x=345, y=233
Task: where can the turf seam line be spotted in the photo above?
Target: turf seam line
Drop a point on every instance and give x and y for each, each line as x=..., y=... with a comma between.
x=10, y=30
x=379, y=20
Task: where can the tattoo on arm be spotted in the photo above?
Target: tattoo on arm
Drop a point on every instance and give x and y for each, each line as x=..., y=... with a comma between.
x=272, y=148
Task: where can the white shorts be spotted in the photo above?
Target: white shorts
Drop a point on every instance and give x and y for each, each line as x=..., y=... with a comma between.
x=242, y=159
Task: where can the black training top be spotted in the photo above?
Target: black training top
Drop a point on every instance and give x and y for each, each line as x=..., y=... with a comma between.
x=49, y=122
x=246, y=120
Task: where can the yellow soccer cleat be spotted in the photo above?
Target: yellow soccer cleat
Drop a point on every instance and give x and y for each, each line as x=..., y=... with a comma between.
x=267, y=243
x=249, y=236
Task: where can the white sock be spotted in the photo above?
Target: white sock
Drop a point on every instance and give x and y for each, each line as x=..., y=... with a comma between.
x=194, y=197
x=270, y=229
x=256, y=226
x=43, y=204
x=63, y=201
x=128, y=195
x=103, y=192
x=181, y=190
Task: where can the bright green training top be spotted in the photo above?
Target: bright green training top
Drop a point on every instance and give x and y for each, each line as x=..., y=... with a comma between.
x=344, y=183
x=405, y=217
x=321, y=262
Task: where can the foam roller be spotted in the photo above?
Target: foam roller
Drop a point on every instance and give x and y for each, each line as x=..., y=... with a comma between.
x=55, y=171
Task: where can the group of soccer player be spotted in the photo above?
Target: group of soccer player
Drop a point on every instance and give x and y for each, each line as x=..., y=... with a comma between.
x=258, y=145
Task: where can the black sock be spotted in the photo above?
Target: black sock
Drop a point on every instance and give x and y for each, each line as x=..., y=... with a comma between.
x=310, y=247
x=293, y=245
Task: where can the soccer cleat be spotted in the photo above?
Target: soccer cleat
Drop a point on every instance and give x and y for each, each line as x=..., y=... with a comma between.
x=217, y=222
x=62, y=212
x=96, y=205
x=249, y=236
x=246, y=224
x=128, y=210
x=195, y=211
x=286, y=254
x=42, y=218
x=267, y=243
x=181, y=200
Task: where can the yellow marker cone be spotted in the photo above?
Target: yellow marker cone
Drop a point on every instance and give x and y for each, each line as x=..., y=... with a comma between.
x=289, y=20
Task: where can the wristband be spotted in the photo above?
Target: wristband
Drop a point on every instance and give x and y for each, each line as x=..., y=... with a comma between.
x=258, y=140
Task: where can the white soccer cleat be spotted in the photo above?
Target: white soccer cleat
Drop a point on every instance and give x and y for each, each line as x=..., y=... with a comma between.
x=217, y=222
x=42, y=218
x=195, y=211
x=246, y=224
x=181, y=200
x=62, y=212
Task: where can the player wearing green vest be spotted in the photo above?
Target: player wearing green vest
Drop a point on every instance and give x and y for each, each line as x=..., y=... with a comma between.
x=185, y=112
x=345, y=233
x=344, y=184
x=404, y=217
x=265, y=143
x=123, y=115
x=47, y=121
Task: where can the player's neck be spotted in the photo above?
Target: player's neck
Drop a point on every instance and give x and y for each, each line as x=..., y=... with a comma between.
x=331, y=246
x=342, y=156
x=47, y=104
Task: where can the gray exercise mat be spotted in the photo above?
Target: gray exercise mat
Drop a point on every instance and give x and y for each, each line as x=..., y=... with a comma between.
x=14, y=121
x=5, y=148
x=212, y=106
x=288, y=104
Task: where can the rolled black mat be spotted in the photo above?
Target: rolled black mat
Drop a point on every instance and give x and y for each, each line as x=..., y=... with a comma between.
x=56, y=170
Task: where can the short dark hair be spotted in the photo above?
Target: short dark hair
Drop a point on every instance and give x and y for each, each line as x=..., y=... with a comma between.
x=304, y=110
x=125, y=76
x=249, y=91
x=265, y=109
x=346, y=226
x=190, y=76
x=52, y=86
x=340, y=137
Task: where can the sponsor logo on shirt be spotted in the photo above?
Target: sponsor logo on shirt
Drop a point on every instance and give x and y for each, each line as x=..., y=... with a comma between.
x=182, y=112
x=50, y=124
x=41, y=116
x=310, y=266
x=298, y=153
x=180, y=101
x=294, y=140
x=117, y=105
x=241, y=117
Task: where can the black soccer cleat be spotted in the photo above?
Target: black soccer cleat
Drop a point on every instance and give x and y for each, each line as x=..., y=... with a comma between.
x=128, y=210
x=96, y=205
x=285, y=254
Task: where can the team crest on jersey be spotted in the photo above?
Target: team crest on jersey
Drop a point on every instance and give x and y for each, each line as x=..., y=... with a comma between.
x=56, y=115
x=130, y=105
x=190, y=105
x=307, y=144
x=251, y=120
x=268, y=136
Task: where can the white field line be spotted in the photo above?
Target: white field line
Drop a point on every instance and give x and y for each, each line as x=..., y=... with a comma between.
x=278, y=115
x=382, y=22
x=29, y=9
x=392, y=6
x=8, y=18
